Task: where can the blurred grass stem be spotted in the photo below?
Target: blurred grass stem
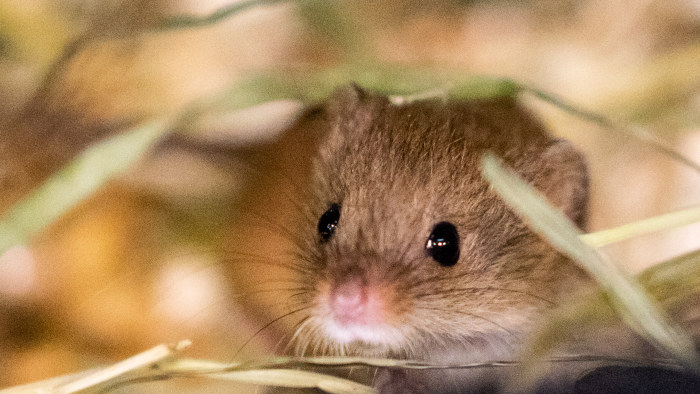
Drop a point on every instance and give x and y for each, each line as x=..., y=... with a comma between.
x=654, y=224
x=75, y=182
x=627, y=296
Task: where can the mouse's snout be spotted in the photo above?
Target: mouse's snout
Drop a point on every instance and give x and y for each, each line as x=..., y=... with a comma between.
x=357, y=307
x=348, y=302
x=355, y=303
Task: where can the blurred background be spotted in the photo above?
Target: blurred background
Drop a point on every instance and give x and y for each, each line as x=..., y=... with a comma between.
x=143, y=261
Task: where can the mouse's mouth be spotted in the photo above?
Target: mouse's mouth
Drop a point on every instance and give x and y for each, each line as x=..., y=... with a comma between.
x=364, y=336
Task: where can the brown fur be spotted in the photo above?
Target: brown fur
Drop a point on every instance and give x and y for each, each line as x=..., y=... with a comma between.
x=396, y=171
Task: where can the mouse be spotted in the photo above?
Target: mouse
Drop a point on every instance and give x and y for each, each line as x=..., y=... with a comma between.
x=401, y=249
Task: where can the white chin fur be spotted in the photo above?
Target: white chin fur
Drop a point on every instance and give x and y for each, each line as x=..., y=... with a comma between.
x=374, y=336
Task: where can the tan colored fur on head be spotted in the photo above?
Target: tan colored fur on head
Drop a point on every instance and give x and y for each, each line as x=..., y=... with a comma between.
x=396, y=171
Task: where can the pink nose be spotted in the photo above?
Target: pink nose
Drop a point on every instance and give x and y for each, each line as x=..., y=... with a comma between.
x=348, y=302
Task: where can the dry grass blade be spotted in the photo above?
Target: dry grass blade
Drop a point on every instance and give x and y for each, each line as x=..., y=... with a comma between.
x=642, y=227
x=295, y=379
x=93, y=378
x=141, y=360
x=628, y=298
x=46, y=386
x=202, y=366
x=157, y=363
x=279, y=377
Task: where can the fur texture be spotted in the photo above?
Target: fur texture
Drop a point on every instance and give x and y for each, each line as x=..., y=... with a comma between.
x=396, y=171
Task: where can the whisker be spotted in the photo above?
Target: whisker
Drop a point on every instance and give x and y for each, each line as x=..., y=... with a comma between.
x=263, y=291
x=242, y=258
x=543, y=299
x=305, y=291
x=245, y=244
x=276, y=224
x=298, y=328
x=374, y=377
x=284, y=337
x=452, y=291
x=275, y=320
x=511, y=333
x=474, y=316
x=188, y=318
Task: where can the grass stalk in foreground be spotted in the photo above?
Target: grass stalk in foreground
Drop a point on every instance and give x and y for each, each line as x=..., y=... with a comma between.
x=158, y=363
x=654, y=224
x=626, y=295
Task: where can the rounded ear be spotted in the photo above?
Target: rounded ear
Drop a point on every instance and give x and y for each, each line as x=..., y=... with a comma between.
x=347, y=98
x=563, y=178
x=357, y=91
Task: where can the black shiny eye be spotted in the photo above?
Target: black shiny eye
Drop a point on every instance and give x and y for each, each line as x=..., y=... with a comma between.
x=328, y=222
x=443, y=244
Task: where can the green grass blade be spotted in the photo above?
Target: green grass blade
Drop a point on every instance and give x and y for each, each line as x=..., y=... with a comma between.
x=75, y=182
x=628, y=298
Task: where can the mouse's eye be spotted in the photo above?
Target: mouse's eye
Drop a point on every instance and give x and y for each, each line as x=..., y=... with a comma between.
x=328, y=222
x=443, y=244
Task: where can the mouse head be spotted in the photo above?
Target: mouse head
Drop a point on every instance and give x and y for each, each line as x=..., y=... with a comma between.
x=408, y=246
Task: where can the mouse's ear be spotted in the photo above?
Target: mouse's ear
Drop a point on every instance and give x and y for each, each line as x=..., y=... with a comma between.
x=353, y=109
x=358, y=93
x=563, y=178
x=347, y=97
